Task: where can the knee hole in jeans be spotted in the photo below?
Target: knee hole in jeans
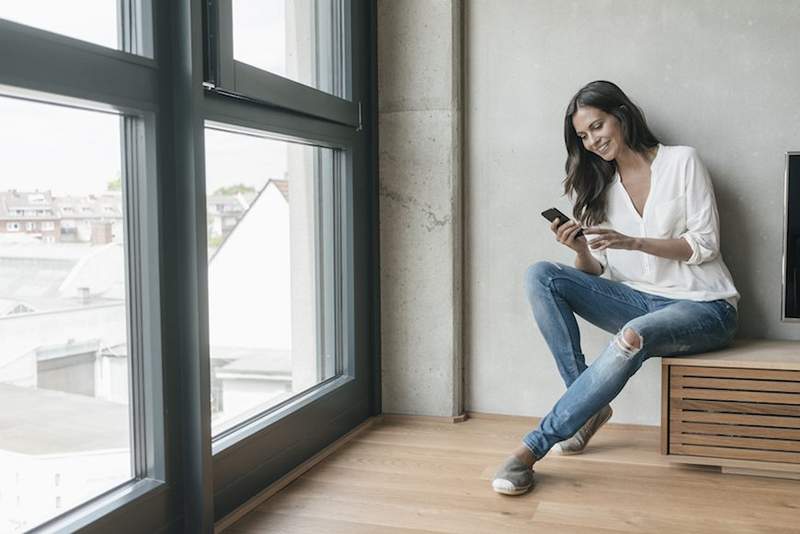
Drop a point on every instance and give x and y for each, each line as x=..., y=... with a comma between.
x=629, y=341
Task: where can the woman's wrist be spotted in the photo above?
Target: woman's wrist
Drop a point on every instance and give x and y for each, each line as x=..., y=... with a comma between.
x=586, y=262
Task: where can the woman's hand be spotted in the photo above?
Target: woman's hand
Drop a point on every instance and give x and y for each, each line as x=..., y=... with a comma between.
x=609, y=238
x=565, y=234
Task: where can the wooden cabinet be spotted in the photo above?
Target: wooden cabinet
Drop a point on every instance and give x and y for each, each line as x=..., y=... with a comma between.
x=738, y=408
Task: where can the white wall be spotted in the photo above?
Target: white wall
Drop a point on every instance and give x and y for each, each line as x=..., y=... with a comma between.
x=39, y=487
x=249, y=286
x=720, y=75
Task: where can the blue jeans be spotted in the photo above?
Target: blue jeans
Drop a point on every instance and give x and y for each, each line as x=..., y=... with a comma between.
x=663, y=326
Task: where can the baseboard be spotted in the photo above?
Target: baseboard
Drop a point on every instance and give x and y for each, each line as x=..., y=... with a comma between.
x=434, y=418
x=289, y=477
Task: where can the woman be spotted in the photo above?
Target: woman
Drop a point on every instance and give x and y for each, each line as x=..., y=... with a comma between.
x=653, y=232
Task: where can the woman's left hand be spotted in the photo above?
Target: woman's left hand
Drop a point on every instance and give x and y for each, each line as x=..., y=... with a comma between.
x=609, y=238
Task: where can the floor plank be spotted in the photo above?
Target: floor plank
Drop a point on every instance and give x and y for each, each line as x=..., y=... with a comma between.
x=406, y=475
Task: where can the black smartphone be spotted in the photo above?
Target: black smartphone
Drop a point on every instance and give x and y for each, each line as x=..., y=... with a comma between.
x=554, y=213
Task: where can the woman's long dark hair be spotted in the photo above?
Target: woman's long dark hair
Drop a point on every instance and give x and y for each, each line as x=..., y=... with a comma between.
x=589, y=175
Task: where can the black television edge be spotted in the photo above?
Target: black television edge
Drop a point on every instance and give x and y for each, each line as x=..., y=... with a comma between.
x=791, y=244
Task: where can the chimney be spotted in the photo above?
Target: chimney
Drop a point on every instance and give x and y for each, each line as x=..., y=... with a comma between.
x=101, y=233
x=83, y=293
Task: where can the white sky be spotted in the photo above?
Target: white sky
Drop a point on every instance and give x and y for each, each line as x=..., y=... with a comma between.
x=65, y=150
x=77, y=152
x=51, y=147
x=235, y=158
x=259, y=34
x=67, y=17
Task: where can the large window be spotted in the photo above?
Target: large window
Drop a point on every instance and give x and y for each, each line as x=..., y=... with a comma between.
x=64, y=370
x=80, y=294
x=288, y=187
x=299, y=40
x=295, y=54
x=186, y=302
x=269, y=206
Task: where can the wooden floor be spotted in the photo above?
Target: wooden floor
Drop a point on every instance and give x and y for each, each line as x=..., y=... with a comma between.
x=405, y=475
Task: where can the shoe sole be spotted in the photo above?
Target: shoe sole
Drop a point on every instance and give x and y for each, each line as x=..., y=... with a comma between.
x=562, y=452
x=510, y=489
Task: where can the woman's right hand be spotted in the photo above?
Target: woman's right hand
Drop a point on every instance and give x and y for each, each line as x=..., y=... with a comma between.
x=565, y=234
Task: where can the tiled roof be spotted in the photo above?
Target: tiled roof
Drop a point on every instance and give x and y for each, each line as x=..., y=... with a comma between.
x=108, y=204
x=283, y=187
x=43, y=205
x=26, y=204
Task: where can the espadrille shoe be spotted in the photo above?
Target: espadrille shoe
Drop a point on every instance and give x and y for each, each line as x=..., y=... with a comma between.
x=514, y=477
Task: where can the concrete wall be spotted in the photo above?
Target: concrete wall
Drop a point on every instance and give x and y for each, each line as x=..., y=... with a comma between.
x=419, y=83
x=722, y=76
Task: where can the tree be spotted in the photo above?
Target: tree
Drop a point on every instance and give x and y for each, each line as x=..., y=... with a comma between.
x=235, y=189
x=115, y=184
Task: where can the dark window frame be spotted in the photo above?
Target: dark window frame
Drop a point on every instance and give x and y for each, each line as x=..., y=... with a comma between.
x=251, y=458
x=54, y=69
x=183, y=486
x=228, y=76
x=329, y=267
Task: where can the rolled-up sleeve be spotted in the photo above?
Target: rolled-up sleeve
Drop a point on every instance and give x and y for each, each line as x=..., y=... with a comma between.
x=702, y=217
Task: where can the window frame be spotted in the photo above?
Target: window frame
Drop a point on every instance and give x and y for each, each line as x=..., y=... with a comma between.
x=55, y=69
x=143, y=306
x=331, y=320
x=183, y=486
x=254, y=455
x=228, y=76
x=258, y=455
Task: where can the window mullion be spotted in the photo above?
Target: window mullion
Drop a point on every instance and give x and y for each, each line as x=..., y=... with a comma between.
x=219, y=43
x=132, y=176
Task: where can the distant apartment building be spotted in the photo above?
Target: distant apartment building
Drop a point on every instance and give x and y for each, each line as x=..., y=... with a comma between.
x=64, y=350
x=95, y=218
x=29, y=213
x=224, y=211
x=62, y=304
x=92, y=218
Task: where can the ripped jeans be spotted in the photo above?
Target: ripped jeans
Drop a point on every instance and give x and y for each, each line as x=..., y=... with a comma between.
x=662, y=326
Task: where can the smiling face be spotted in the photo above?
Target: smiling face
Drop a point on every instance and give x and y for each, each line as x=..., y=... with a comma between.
x=599, y=131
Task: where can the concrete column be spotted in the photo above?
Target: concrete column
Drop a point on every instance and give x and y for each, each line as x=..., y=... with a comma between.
x=419, y=116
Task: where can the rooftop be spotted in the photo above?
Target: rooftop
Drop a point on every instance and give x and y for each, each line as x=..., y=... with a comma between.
x=54, y=422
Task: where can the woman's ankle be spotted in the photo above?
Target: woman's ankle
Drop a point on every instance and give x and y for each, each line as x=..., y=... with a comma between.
x=525, y=455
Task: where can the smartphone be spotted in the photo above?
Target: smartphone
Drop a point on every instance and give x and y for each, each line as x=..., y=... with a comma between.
x=554, y=213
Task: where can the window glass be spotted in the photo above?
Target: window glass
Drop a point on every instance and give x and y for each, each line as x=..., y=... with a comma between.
x=95, y=21
x=64, y=428
x=270, y=308
x=296, y=39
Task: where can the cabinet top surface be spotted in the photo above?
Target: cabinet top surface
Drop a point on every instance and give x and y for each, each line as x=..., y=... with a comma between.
x=749, y=353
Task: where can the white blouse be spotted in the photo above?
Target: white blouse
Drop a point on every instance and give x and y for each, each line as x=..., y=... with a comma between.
x=681, y=204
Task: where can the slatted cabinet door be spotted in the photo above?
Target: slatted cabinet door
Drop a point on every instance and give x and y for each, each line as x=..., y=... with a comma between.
x=742, y=414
